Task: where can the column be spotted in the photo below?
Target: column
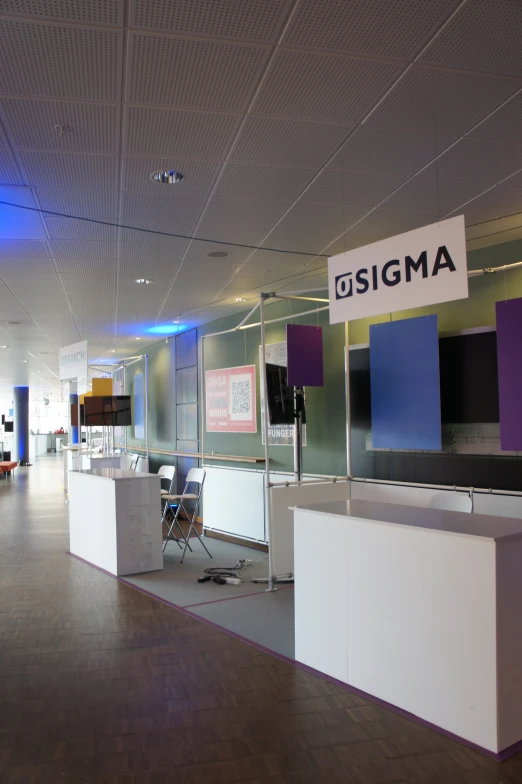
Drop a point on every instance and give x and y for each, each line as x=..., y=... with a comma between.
x=73, y=401
x=21, y=424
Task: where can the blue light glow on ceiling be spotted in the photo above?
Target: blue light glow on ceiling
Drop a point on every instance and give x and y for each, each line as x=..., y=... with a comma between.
x=165, y=329
x=16, y=223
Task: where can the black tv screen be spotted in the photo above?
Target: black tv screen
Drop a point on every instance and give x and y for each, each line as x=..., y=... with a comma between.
x=8, y=427
x=280, y=396
x=107, y=411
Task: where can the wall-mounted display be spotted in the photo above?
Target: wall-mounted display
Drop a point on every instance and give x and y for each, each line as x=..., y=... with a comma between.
x=230, y=395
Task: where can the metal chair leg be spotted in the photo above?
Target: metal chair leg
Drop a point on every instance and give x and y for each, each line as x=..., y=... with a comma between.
x=193, y=528
x=164, y=522
x=175, y=522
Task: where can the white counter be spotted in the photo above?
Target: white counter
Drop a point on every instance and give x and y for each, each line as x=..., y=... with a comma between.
x=115, y=519
x=38, y=443
x=419, y=607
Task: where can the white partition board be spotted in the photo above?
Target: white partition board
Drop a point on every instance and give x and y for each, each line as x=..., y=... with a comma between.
x=233, y=502
x=282, y=498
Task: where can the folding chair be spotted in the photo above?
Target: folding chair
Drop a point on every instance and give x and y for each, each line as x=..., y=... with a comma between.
x=195, y=476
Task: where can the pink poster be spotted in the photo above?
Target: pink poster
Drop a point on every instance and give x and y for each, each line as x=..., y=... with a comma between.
x=231, y=400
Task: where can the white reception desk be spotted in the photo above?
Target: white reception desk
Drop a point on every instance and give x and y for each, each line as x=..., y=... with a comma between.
x=115, y=519
x=421, y=608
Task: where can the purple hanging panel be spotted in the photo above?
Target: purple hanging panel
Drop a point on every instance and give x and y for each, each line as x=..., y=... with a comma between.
x=509, y=359
x=305, y=355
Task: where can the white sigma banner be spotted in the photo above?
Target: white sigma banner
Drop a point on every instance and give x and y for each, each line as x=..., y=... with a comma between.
x=73, y=361
x=421, y=267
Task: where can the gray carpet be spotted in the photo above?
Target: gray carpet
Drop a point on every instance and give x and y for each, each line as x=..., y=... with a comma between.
x=247, y=609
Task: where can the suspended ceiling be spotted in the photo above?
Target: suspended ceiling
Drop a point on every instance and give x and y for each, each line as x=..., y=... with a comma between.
x=311, y=126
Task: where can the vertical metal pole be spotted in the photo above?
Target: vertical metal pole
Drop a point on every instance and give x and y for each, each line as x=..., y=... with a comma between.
x=348, y=407
x=146, y=357
x=202, y=387
x=124, y=374
x=268, y=509
x=297, y=477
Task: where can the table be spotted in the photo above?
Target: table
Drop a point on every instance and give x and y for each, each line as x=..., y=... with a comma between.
x=115, y=519
x=421, y=608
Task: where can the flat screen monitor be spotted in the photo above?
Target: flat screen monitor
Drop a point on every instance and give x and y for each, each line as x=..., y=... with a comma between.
x=280, y=396
x=8, y=427
x=107, y=411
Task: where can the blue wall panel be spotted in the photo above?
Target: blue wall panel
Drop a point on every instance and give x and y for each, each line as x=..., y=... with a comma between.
x=405, y=384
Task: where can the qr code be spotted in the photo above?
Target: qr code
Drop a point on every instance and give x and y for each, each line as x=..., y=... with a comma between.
x=241, y=398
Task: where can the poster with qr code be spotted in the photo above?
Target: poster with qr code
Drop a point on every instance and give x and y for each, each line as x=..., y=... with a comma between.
x=231, y=400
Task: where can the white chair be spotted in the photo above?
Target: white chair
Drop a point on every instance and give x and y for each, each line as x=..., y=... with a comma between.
x=167, y=472
x=452, y=501
x=195, y=476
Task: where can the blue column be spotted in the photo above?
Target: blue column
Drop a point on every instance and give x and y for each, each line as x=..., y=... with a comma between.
x=73, y=435
x=21, y=424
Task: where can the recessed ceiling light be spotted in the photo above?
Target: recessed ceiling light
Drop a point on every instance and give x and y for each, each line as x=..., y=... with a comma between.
x=4, y=346
x=24, y=360
x=143, y=281
x=175, y=321
x=240, y=299
x=113, y=350
x=137, y=338
x=167, y=177
x=217, y=254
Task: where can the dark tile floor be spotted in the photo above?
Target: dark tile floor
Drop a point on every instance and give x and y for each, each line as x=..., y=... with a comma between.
x=100, y=683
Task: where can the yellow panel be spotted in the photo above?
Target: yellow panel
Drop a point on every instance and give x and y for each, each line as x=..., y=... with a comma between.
x=82, y=397
x=101, y=387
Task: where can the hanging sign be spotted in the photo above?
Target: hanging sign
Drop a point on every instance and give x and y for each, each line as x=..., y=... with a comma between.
x=278, y=435
x=411, y=270
x=231, y=400
x=73, y=361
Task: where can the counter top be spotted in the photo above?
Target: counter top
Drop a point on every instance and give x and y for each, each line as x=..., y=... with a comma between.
x=460, y=523
x=115, y=473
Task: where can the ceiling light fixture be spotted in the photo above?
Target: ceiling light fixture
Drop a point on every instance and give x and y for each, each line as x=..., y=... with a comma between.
x=217, y=254
x=137, y=338
x=143, y=281
x=4, y=346
x=167, y=177
x=240, y=299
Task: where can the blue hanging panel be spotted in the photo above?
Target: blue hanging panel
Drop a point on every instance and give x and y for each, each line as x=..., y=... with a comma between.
x=405, y=384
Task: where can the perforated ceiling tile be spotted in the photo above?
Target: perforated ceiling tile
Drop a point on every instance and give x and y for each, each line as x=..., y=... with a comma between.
x=76, y=249
x=199, y=176
x=244, y=212
x=88, y=127
x=515, y=180
x=457, y=101
x=9, y=172
x=350, y=187
x=154, y=248
x=59, y=61
x=435, y=194
x=71, y=266
x=375, y=27
x=3, y=138
x=243, y=181
x=500, y=201
x=95, y=12
x=67, y=228
x=174, y=213
x=478, y=160
x=250, y=234
x=325, y=217
x=67, y=170
x=199, y=74
x=101, y=205
x=291, y=142
x=326, y=87
x=180, y=134
x=504, y=126
x=484, y=36
x=386, y=151
x=249, y=20
x=23, y=248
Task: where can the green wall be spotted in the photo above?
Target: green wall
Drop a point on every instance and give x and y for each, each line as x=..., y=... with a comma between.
x=326, y=438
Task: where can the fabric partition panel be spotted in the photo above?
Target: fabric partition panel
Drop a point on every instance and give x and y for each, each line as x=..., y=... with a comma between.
x=304, y=355
x=405, y=384
x=139, y=406
x=509, y=358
